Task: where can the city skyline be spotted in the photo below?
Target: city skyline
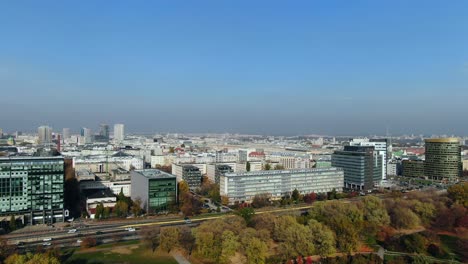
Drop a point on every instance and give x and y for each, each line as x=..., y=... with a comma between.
x=252, y=68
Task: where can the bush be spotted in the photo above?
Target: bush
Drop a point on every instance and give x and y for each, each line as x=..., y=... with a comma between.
x=88, y=242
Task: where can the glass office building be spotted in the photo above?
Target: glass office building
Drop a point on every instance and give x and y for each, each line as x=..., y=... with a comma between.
x=32, y=187
x=362, y=166
x=156, y=189
x=443, y=159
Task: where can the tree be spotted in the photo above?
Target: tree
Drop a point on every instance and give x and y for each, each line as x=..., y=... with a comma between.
x=186, y=239
x=426, y=211
x=267, y=166
x=402, y=217
x=247, y=166
x=71, y=186
x=322, y=237
x=332, y=195
x=256, y=251
x=279, y=167
x=280, y=226
x=30, y=258
x=310, y=198
x=247, y=213
x=136, y=207
x=297, y=241
x=183, y=187
x=121, y=208
x=375, y=213
x=99, y=211
x=459, y=193
x=295, y=195
x=12, y=224
x=261, y=200
x=171, y=150
x=264, y=221
x=150, y=236
x=88, y=242
x=169, y=238
x=106, y=212
x=230, y=244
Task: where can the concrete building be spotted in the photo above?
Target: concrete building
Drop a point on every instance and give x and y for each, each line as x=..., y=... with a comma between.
x=443, y=159
x=362, y=166
x=104, y=131
x=214, y=171
x=86, y=136
x=157, y=160
x=119, y=132
x=32, y=187
x=242, y=156
x=44, y=135
x=66, y=133
x=413, y=168
x=239, y=187
x=114, y=186
x=156, y=189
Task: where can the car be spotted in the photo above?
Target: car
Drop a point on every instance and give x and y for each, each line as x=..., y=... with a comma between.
x=99, y=233
x=72, y=231
x=47, y=239
x=187, y=220
x=79, y=241
x=19, y=243
x=46, y=244
x=131, y=230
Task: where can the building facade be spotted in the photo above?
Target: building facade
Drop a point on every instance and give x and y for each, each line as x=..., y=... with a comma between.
x=214, y=171
x=156, y=189
x=32, y=187
x=362, y=166
x=380, y=145
x=242, y=187
x=44, y=134
x=443, y=159
x=413, y=168
x=119, y=132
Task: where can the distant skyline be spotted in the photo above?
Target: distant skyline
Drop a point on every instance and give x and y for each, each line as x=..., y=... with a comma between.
x=251, y=67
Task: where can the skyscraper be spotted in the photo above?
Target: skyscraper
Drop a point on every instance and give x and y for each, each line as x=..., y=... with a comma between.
x=66, y=133
x=380, y=145
x=104, y=132
x=44, y=135
x=86, y=134
x=443, y=159
x=119, y=132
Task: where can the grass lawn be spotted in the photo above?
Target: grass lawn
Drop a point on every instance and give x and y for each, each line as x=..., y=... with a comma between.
x=449, y=243
x=129, y=252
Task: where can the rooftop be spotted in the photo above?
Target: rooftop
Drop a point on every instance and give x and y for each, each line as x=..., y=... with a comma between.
x=270, y=172
x=154, y=174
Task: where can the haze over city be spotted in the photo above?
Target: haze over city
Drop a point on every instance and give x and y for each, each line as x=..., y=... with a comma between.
x=263, y=67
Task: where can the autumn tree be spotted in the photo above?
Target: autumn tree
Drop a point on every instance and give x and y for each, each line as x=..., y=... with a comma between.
x=136, y=207
x=279, y=167
x=459, y=193
x=247, y=213
x=99, y=213
x=310, y=198
x=230, y=244
x=267, y=166
x=264, y=221
x=30, y=258
x=256, y=251
x=12, y=224
x=169, y=238
x=261, y=200
x=322, y=237
x=88, y=242
x=150, y=236
x=295, y=195
x=375, y=213
x=247, y=166
x=186, y=239
x=121, y=208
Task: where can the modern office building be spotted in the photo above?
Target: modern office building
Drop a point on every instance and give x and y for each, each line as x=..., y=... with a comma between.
x=119, y=132
x=32, y=188
x=443, y=159
x=192, y=176
x=362, y=166
x=104, y=131
x=156, y=189
x=380, y=145
x=44, y=135
x=239, y=187
x=413, y=168
x=65, y=133
x=86, y=135
x=214, y=171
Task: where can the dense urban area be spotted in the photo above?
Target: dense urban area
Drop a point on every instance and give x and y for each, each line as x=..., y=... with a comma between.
x=108, y=196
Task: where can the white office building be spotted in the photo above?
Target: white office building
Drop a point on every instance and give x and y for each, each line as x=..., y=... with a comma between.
x=44, y=135
x=119, y=132
x=380, y=145
x=240, y=187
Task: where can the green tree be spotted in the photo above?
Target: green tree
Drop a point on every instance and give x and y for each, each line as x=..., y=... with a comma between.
x=298, y=241
x=256, y=251
x=280, y=225
x=402, y=217
x=12, y=224
x=30, y=258
x=247, y=166
x=296, y=195
x=267, y=166
x=247, y=213
x=322, y=237
x=169, y=238
x=99, y=211
x=106, y=213
x=426, y=211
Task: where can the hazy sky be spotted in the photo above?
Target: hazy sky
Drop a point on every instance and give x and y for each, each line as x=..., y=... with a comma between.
x=270, y=67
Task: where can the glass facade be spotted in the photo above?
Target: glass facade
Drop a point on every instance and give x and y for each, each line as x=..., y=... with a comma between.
x=33, y=187
x=362, y=166
x=161, y=193
x=443, y=159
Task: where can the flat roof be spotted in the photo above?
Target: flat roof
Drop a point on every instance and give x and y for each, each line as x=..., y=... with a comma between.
x=271, y=172
x=154, y=174
x=442, y=140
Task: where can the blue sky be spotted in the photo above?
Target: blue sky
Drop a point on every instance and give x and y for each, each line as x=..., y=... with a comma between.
x=269, y=67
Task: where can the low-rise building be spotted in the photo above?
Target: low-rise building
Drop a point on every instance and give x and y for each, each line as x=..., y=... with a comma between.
x=216, y=170
x=239, y=187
